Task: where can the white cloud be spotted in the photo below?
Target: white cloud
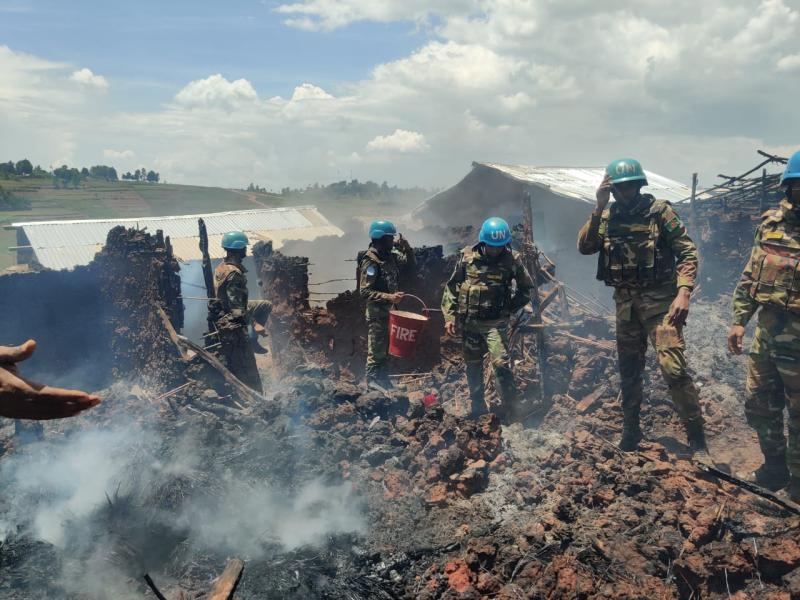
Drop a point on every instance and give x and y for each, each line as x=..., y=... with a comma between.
x=400, y=141
x=685, y=86
x=216, y=91
x=312, y=15
x=118, y=154
x=308, y=91
x=790, y=62
x=86, y=77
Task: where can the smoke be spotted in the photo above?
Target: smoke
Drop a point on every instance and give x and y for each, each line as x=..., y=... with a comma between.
x=114, y=501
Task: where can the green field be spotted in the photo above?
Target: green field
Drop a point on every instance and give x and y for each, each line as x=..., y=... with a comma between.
x=100, y=199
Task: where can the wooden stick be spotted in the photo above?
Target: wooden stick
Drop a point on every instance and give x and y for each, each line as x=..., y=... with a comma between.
x=153, y=587
x=229, y=580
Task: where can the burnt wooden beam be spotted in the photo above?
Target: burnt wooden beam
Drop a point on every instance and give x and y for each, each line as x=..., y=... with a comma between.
x=229, y=580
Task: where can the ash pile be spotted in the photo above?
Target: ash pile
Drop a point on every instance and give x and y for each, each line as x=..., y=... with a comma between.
x=326, y=490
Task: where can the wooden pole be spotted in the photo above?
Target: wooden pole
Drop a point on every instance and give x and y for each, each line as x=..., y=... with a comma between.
x=763, y=199
x=531, y=261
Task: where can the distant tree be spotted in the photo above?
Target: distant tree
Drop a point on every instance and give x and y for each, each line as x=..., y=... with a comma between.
x=38, y=171
x=24, y=167
x=152, y=177
x=137, y=175
x=7, y=170
x=85, y=172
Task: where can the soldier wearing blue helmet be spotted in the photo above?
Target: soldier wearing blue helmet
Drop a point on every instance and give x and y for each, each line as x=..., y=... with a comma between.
x=232, y=312
x=379, y=273
x=478, y=301
x=770, y=286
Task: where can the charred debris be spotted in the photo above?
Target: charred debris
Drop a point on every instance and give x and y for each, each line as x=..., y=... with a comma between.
x=321, y=489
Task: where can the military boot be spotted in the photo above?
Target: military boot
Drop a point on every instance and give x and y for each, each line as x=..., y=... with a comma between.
x=772, y=475
x=696, y=437
x=631, y=434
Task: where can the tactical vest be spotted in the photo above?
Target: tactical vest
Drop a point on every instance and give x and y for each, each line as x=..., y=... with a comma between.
x=388, y=276
x=634, y=253
x=219, y=307
x=775, y=264
x=486, y=290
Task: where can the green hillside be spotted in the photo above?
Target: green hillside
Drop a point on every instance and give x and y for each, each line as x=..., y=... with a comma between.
x=101, y=199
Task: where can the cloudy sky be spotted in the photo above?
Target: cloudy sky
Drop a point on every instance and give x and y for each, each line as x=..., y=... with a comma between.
x=408, y=91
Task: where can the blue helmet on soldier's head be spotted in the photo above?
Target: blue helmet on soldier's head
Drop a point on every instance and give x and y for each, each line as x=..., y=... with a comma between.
x=235, y=240
x=792, y=171
x=381, y=228
x=495, y=232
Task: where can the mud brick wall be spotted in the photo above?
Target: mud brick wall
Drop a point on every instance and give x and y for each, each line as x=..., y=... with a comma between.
x=98, y=323
x=137, y=273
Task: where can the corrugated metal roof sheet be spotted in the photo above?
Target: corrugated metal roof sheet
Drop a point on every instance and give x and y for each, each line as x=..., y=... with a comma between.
x=67, y=244
x=582, y=182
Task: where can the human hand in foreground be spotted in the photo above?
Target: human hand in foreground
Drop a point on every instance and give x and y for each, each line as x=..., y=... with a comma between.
x=735, y=337
x=21, y=398
x=450, y=328
x=679, y=309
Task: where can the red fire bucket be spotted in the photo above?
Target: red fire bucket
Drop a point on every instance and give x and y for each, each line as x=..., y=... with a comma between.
x=405, y=329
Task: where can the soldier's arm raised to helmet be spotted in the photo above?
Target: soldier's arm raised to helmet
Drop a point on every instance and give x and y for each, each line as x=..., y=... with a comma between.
x=366, y=285
x=589, y=238
x=684, y=249
x=450, y=295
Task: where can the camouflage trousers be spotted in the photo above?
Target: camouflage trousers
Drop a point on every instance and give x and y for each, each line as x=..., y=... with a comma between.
x=237, y=354
x=642, y=315
x=377, y=344
x=773, y=383
x=235, y=350
x=478, y=338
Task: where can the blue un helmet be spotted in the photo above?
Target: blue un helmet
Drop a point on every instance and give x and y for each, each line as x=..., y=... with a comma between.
x=495, y=232
x=380, y=228
x=792, y=171
x=234, y=240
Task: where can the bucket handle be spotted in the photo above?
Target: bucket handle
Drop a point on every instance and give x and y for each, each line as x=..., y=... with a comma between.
x=425, y=309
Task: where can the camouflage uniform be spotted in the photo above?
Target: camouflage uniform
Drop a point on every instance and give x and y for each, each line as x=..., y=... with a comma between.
x=646, y=255
x=478, y=295
x=232, y=313
x=771, y=281
x=379, y=275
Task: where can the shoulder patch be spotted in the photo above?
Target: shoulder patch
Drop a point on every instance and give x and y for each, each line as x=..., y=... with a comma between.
x=673, y=223
x=371, y=271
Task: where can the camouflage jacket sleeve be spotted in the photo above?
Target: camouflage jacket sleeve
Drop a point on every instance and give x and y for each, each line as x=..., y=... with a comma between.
x=682, y=246
x=367, y=283
x=451, y=288
x=589, y=237
x=235, y=290
x=744, y=306
x=524, y=286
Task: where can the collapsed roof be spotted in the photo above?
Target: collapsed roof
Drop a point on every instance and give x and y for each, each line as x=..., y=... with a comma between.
x=492, y=188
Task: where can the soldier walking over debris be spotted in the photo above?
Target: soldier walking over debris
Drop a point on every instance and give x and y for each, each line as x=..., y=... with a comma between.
x=232, y=313
x=478, y=300
x=771, y=281
x=648, y=258
x=379, y=270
